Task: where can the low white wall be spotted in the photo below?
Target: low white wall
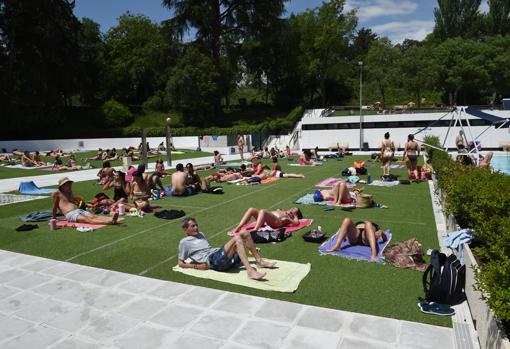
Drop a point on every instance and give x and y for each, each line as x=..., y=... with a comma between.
x=95, y=143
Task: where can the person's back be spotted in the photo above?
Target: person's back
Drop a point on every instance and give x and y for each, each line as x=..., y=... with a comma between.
x=179, y=180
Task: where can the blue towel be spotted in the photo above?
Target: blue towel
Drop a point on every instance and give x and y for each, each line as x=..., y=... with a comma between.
x=456, y=240
x=37, y=216
x=32, y=189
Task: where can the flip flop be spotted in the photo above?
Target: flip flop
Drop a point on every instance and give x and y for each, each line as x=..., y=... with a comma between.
x=436, y=308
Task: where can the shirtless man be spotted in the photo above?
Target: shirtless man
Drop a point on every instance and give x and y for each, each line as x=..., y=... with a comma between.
x=63, y=200
x=275, y=219
x=340, y=194
x=196, y=247
x=240, y=146
x=360, y=233
x=179, y=187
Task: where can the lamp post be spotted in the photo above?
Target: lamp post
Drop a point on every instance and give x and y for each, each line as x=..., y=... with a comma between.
x=168, y=148
x=360, y=63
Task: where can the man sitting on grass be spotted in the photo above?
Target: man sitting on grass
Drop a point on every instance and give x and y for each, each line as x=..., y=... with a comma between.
x=196, y=247
x=275, y=219
x=64, y=201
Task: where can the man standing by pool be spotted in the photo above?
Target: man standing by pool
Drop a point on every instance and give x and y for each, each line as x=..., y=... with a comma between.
x=196, y=247
x=64, y=201
x=240, y=146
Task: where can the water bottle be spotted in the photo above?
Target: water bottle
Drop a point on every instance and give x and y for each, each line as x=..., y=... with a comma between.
x=53, y=224
x=122, y=209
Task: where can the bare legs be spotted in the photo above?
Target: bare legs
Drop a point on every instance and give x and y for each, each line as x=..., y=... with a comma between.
x=238, y=244
x=386, y=165
x=262, y=216
x=412, y=169
x=341, y=194
x=293, y=175
x=93, y=219
x=347, y=229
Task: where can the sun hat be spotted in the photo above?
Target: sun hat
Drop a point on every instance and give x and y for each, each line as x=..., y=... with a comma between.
x=63, y=181
x=317, y=196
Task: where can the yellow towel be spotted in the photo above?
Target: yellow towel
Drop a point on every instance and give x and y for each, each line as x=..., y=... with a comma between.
x=284, y=278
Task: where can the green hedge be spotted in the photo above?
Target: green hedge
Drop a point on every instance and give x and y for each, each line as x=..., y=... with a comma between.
x=480, y=200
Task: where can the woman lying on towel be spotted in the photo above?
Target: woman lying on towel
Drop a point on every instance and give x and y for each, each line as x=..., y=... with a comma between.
x=275, y=219
x=277, y=171
x=339, y=195
x=360, y=233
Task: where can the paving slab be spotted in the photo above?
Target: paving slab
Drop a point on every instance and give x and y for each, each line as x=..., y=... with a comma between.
x=59, y=305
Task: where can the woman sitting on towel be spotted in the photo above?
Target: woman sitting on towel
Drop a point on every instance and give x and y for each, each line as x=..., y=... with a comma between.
x=360, y=233
x=306, y=158
x=275, y=219
x=340, y=194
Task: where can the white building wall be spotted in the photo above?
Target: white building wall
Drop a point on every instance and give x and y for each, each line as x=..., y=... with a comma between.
x=351, y=137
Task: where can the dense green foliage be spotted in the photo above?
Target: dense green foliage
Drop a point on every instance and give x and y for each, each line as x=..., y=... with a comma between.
x=215, y=55
x=116, y=114
x=480, y=199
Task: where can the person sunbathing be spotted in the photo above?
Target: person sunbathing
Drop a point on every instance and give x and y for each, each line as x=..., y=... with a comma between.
x=221, y=176
x=485, y=161
x=63, y=200
x=179, y=186
x=72, y=164
x=57, y=164
x=140, y=192
x=275, y=219
x=277, y=171
x=98, y=156
x=360, y=233
x=340, y=194
x=192, y=178
x=105, y=175
x=218, y=159
x=306, y=158
x=196, y=247
x=36, y=158
x=55, y=152
x=112, y=155
x=26, y=161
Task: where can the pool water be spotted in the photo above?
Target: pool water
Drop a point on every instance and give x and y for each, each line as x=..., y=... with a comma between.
x=501, y=163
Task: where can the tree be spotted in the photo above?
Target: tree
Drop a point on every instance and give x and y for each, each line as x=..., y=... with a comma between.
x=91, y=66
x=324, y=37
x=456, y=18
x=192, y=87
x=499, y=17
x=39, y=56
x=361, y=43
x=221, y=24
x=381, y=66
x=134, y=58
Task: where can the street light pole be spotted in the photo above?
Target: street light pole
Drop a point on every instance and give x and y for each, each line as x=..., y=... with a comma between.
x=360, y=63
x=168, y=148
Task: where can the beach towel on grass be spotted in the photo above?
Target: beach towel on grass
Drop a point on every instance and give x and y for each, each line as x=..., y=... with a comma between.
x=331, y=182
x=284, y=278
x=359, y=252
x=307, y=199
x=300, y=165
x=379, y=183
x=7, y=199
x=396, y=166
x=32, y=189
x=303, y=223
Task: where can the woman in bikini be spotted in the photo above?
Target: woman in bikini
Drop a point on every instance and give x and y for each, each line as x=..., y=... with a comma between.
x=140, y=192
x=360, y=233
x=277, y=171
x=387, y=152
x=275, y=219
x=411, y=152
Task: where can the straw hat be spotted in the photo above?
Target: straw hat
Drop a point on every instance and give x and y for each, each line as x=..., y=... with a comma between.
x=63, y=181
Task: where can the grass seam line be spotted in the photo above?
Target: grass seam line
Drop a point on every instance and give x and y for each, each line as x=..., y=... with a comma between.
x=162, y=225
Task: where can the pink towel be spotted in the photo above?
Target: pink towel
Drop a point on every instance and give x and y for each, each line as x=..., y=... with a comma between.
x=331, y=182
x=303, y=223
x=64, y=224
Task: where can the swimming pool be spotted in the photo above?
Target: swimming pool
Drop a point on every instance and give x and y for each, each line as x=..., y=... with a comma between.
x=501, y=163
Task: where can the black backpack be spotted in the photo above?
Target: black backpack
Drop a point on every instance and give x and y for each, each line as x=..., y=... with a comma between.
x=445, y=279
x=260, y=237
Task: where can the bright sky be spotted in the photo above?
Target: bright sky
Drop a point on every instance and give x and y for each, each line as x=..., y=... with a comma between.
x=396, y=19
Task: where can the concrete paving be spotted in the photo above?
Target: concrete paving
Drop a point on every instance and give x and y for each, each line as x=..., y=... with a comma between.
x=52, y=304
x=11, y=184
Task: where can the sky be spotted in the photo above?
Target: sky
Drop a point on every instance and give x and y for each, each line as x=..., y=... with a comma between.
x=396, y=19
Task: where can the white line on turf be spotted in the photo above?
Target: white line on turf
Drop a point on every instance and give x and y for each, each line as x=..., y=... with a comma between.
x=164, y=224
x=219, y=233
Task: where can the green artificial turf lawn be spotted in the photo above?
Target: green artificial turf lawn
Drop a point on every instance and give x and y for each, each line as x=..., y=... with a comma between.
x=6, y=172
x=148, y=246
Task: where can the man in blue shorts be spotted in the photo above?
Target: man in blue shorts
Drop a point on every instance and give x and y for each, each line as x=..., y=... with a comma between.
x=196, y=247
